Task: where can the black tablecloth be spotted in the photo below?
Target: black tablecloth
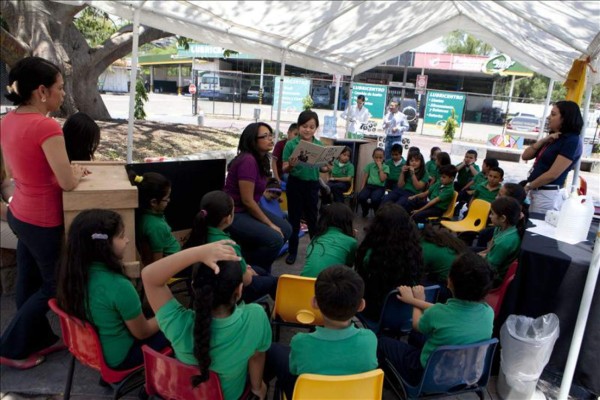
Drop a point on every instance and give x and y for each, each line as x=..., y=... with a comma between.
x=550, y=279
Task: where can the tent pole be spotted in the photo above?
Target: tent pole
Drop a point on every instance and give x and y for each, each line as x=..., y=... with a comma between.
x=132, y=81
x=261, y=90
x=349, y=102
x=586, y=112
x=281, y=75
x=337, y=78
x=546, y=107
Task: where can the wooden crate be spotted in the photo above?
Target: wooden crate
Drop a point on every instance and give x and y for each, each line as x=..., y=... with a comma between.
x=107, y=187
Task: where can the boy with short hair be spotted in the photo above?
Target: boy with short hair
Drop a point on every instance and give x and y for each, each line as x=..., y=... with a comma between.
x=488, y=190
x=340, y=178
x=337, y=348
x=440, y=195
x=464, y=196
x=467, y=169
x=395, y=164
x=277, y=155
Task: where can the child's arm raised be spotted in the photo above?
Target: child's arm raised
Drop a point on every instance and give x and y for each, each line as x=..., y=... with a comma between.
x=156, y=275
x=256, y=366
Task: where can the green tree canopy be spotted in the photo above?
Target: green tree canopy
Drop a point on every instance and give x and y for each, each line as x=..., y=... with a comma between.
x=463, y=43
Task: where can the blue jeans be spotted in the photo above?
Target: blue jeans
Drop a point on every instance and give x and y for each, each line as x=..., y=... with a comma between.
x=260, y=244
x=262, y=284
x=421, y=217
x=338, y=189
x=373, y=192
x=278, y=365
x=303, y=197
x=38, y=252
x=405, y=357
x=389, y=142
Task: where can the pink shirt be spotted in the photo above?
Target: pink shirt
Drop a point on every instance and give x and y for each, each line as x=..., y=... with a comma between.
x=37, y=198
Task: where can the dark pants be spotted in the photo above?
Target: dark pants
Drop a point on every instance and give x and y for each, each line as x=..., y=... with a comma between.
x=462, y=199
x=262, y=284
x=338, y=189
x=278, y=365
x=421, y=217
x=260, y=244
x=303, y=197
x=410, y=205
x=373, y=192
x=396, y=195
x=38, y=251
x=405, y=357
x=135, y=357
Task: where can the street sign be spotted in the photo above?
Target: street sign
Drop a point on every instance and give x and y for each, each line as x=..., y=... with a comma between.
x=421, y=85
x=192, y=88
x=440, y=105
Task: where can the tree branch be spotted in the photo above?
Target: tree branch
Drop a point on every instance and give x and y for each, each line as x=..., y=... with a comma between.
x=12, y=49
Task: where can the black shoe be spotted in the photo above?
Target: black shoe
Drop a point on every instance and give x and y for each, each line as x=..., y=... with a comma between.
x=290, y=259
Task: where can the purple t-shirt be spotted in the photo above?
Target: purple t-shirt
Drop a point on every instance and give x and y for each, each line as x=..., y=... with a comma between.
x=244, y=168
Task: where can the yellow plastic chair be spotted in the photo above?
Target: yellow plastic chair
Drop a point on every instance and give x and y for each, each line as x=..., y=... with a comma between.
x=284, y=203
x=368, y=385
x=449, y=213
x=475, y=220
x=293, y=303
x=349, y=195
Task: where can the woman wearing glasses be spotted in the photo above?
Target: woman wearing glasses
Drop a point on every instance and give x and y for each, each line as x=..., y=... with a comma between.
x=260, y=233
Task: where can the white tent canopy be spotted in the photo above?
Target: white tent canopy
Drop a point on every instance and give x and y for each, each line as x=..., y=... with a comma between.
x=349, y=37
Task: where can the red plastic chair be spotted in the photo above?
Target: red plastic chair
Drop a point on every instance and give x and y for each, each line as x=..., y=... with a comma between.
x=84, y=345
x=495, y=297
x=171, y=379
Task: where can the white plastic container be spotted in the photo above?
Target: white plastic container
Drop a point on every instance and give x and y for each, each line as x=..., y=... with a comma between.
x=575, y=218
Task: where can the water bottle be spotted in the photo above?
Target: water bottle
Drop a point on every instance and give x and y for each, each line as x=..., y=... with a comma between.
x=575, y=218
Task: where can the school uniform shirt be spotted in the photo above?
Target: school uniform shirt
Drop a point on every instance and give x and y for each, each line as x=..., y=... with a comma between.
x=331, y=248
x=432, y=170
x=233, y=340
x=340, y=170
x=372, y=170
x=215, y=234
x=437, y=260
x=112, y=300
x=505, y=249
x=333, y=351
x=408, y=183
x=156, y=230
x=395, y=170
x=479, y=178
x=304, y=172
x=454, y=323
x=482, y=192
x=464, y=175
x=444, y=192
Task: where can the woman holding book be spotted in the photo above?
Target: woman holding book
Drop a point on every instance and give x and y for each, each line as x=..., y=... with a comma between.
x=260, y=233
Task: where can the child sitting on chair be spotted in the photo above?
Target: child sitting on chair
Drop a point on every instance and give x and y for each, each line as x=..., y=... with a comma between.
x=341, y=177
x=465, y=319
x=440, y=195
x=271, y=198
x=338, y=348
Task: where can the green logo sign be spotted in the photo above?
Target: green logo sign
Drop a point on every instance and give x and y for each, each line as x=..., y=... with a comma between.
x=503, y=65
x=294, y=90
x=440, y=105
x=375, y=97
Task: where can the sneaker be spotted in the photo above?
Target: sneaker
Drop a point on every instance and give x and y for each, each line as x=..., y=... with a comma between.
x=290, y=259
x=303, y=227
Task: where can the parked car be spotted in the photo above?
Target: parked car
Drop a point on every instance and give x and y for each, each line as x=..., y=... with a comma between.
x=409, y=108
x=252, y=94
x=322, y=97
x=528, y=127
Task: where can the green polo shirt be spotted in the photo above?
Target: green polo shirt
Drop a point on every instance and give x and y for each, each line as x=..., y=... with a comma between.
x=331, y=248
x=233, y=340
x=155, y=229
x=112, y=300
x=215, y=234
x=304, y=172
x=479, y=178
x=437, y=259
x=333, y=351
x=395, y=170
x=372, y=172
x=342, y=171
x=408, y=183
x=505, y=249
x=481, y=191
x=432, y=170
x=444, y=192
x=454, y=323
x=464, y=175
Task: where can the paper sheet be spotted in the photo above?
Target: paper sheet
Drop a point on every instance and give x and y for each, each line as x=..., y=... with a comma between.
x=545, y=229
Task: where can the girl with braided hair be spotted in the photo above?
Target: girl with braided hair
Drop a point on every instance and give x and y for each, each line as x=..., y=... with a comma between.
x=218, y=334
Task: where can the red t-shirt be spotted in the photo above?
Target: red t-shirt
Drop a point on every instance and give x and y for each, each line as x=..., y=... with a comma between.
x=278, y=155
x=37, y=198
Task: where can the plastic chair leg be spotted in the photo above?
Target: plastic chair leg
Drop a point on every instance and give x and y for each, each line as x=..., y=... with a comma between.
x=67, y=394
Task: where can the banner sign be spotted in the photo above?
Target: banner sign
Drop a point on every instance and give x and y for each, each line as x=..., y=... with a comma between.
x=440, y=105
x=294, y=90
x=505, y=141
x=375, y=97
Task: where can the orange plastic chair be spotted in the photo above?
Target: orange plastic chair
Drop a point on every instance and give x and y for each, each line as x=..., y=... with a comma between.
x=84, y=345
x=171, y=379
x=293, y=303
x=475, y=220
x=368, y=385
x=449, y=213
x=496, y=296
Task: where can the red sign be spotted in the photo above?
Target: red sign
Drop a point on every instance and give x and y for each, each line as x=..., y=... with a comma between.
x=192, y=88
x=421, y=84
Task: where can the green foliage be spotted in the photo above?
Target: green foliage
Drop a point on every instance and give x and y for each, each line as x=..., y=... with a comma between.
x=140, y=98
x=183, y=42
x=459, y=42
x=228, y=53
x=95, y=25
x=450, y=127
x=307, y=102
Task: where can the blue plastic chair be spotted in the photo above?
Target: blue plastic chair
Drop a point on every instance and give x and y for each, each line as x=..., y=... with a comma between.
x=450, y=370
x=396, y=316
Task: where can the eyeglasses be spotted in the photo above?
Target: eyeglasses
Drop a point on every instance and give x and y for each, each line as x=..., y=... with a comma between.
x=268, y=136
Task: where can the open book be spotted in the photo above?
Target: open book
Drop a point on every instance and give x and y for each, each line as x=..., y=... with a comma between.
x=312, y=154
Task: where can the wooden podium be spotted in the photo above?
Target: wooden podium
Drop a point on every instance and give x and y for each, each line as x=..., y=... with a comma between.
x=107, y=187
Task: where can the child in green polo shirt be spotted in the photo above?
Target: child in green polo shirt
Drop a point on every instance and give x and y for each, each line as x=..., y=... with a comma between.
x=215, y=216
x=464, y=319
x=153, y=233
x=334, y=242
x=373, y=185
x=504, y=247
x=442, y=158
x=337, y=348
x=220, y=333
x=395, y=163
x=488, y=190
x=440, y=195
x=467, y=169
x=340, y=179
x=431, y=165
x=465, y=195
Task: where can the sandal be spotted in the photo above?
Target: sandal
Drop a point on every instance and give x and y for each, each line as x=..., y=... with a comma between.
x=32, y=361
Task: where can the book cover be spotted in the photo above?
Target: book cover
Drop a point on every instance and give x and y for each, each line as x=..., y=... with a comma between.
x=312, y=154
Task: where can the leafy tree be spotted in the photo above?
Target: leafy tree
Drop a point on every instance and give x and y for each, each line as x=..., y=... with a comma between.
x=307, y=103
x=140, y=98
x=450, y=127
x=459, y=42
x=95, y=25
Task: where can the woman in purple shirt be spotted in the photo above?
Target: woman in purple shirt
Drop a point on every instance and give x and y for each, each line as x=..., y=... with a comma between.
x=260, y=233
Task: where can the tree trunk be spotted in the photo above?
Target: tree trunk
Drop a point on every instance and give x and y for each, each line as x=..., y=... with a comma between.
x=46, y=29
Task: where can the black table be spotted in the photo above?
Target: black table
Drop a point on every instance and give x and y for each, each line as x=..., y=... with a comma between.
x=550, y=279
